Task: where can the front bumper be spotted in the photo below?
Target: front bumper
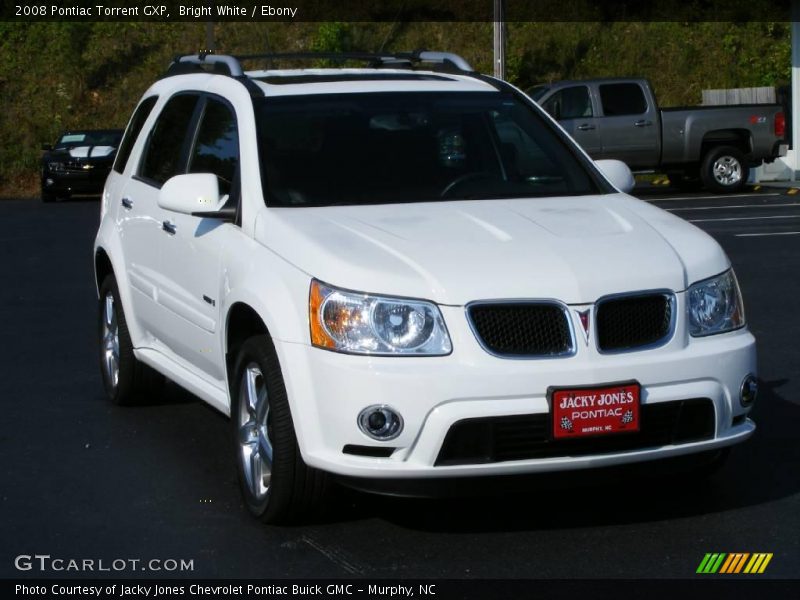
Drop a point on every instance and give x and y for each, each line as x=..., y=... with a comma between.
x=74, y=182
x=327, y=390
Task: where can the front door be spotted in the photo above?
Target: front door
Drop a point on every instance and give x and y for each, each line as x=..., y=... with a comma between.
x=191, y=251
x=572, y=107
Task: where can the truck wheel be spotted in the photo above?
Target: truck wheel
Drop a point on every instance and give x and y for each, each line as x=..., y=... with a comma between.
x=127, y=381
x=724, y=170
x=277, y=486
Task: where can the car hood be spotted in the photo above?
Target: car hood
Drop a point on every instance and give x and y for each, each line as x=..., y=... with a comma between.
x=82, y=153
x=574, y=249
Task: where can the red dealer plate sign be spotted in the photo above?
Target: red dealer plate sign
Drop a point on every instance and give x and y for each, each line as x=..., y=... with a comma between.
x=589, y=411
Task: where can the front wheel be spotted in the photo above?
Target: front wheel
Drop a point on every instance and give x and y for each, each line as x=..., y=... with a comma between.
x=724, y=170
x=276, y=484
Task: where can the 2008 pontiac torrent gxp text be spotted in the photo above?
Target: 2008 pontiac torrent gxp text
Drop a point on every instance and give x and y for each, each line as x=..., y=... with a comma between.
x=402, y=272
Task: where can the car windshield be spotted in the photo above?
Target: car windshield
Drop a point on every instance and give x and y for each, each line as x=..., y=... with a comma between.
x=380, y=148
x=89, y=138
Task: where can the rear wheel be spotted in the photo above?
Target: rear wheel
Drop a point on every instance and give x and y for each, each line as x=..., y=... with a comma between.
x=126, y=380
x=724, y=170
x=277, y=486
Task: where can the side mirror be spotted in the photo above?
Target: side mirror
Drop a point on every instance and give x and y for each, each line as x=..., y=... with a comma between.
x=618, y=173
x=193, y=194
x=46, y=147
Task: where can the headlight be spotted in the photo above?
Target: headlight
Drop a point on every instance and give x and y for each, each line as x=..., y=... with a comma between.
x=366, y=324
x=56, y=166
x=715, y=305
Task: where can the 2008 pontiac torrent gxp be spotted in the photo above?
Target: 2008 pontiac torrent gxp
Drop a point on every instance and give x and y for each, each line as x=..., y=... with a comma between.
x=397, y=274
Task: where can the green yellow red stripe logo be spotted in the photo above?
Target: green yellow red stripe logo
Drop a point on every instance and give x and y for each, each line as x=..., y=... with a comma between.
x=734, y=563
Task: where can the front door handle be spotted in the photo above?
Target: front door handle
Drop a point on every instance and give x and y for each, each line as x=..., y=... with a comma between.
x=127, y=203
x=643, y=123
x=585, y=127
x=170, y=228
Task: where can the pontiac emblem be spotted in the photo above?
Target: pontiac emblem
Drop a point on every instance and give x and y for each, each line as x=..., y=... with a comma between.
x=584, y=317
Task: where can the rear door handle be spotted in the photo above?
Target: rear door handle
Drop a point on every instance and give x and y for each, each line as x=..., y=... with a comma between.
x=170, y=228
x=643, y=123
x=127, y=203
x=585, y=127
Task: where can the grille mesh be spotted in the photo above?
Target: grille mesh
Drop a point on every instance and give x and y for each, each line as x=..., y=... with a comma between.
x=520, y=329
x=633, y=321
x=522, y=437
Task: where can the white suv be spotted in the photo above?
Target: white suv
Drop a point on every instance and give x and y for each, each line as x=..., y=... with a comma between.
x=388, y=274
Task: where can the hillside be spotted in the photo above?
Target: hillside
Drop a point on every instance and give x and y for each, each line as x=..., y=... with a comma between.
x=68, y=75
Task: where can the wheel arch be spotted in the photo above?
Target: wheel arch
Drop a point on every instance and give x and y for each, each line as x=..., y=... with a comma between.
x=102, y=268
x=738, y=138
x=242, y=321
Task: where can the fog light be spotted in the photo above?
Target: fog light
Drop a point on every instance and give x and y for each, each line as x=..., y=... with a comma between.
x=749, y=390
x=380, y=422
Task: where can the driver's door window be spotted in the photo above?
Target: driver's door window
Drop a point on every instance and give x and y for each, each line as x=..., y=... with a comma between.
x=216, y=149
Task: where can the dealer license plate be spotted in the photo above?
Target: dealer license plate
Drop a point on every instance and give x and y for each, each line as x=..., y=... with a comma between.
x=589, y=411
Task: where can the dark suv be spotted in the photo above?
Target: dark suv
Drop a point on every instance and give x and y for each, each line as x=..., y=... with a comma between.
x=78, y=163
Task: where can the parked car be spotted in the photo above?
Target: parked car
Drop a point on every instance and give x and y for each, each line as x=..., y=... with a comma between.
x=710, y=145
x=386, y=275
x=78, y=163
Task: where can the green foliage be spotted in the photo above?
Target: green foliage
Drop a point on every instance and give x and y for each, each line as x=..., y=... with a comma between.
x=69, y=75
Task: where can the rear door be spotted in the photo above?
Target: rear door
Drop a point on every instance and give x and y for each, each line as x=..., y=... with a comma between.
x=573, y=107
x=142, y=231
x=630, y=125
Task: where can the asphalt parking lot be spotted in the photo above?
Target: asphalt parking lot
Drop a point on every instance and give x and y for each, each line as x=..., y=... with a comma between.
x=84, y=479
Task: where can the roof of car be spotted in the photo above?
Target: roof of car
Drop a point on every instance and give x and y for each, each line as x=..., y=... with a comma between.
x=326, y=81
x=386, y=72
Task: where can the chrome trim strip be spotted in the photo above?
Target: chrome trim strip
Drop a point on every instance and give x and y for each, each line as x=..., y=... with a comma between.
x=673, y=304
x=537, y=301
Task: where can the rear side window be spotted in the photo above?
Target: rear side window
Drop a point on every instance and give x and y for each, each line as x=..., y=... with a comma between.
x=132, y=133
x=162, y=157
x=622, y=99
x=216, y=149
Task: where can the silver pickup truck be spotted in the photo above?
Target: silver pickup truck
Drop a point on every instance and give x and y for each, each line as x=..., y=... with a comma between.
x=713, y=145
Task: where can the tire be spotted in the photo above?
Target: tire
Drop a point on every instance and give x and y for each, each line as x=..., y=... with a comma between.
x=276, y=484
x=724, y=170
x=48, y=197
x=126, y=380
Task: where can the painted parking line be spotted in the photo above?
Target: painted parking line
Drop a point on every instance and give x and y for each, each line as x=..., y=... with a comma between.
x=725, y=197
x=767, y=234
x=732, y=206
x=744, y=218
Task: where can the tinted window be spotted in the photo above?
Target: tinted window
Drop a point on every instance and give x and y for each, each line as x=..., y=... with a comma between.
x=132, y=133
x=216, y=149
x=622, y=99
x=411, y=147
x=569, y=103
x=162, y=157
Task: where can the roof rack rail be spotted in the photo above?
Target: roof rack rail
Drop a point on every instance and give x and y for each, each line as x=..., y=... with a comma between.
x=180, y=63
x=220, y=62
